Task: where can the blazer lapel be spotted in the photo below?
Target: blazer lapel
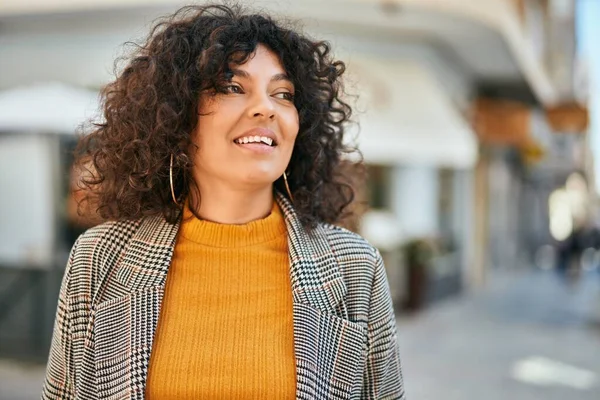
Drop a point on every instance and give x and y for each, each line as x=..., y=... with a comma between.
x=314, y=273
x=125, y=325
x=329, y=348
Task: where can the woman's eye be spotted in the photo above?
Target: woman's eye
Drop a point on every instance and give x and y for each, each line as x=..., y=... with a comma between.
x=232, y=89
x=285, y=96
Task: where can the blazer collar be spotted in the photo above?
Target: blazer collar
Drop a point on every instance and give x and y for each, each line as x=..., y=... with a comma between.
x=315, y=277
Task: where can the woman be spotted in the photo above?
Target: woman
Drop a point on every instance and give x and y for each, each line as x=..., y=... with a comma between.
x=220, y=274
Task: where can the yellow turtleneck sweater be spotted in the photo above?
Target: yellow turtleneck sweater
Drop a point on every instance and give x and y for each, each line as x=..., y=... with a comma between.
x=226, y=325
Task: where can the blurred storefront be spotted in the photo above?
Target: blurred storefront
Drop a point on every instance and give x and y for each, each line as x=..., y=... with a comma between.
x=531, y=141
x=419, y=149
x=476, y=113
x=466, y=105
x=37, y=136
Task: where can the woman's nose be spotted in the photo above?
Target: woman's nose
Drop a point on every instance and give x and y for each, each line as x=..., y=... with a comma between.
x=262, y=106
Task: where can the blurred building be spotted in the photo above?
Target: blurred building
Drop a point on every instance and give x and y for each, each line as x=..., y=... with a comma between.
x=505, y=130
x=470, y=115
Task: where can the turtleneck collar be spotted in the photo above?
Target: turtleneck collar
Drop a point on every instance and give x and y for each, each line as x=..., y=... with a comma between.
x=230, y=235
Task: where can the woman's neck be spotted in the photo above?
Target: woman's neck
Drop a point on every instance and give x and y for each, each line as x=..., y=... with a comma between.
x=227, y=206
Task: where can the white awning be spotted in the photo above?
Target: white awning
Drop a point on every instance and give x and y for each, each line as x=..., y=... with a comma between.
x=49, y=107
x=406, y=117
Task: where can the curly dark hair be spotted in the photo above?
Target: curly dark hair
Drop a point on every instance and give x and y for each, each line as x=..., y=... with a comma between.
x=150, y=111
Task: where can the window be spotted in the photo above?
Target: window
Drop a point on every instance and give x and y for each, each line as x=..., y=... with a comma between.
x=378, y=186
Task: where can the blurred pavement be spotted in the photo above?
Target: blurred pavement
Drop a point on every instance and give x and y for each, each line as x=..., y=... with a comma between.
x=528, y=336
x=20, y=381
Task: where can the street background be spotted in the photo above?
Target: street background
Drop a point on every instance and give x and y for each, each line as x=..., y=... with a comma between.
x=479, y=122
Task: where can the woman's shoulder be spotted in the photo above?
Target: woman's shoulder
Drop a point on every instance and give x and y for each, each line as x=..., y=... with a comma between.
x=104, y=257
x=113, y=233
x=348, y=245
x=99, y=247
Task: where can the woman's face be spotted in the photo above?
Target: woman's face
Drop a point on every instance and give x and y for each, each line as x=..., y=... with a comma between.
x=246, y=134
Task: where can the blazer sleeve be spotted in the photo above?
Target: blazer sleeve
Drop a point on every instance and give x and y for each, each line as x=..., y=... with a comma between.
x=59, y=380
x=383, y=374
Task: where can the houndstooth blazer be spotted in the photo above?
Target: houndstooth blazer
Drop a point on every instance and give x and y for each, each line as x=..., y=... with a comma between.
x=112, y=290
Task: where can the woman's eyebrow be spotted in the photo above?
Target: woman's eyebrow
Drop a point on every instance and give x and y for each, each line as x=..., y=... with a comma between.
x=281, y=77
x=275, y=78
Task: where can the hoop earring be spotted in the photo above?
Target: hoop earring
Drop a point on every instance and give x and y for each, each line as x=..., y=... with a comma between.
x=287, y=187
x=171, y=182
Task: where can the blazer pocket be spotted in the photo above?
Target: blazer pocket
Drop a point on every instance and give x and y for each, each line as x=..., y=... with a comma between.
x=343, y=349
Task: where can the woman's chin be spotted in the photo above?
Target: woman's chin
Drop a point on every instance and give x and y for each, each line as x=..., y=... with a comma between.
x=255, y=183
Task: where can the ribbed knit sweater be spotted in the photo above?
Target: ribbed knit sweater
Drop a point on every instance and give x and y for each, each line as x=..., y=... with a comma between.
x=226, y=324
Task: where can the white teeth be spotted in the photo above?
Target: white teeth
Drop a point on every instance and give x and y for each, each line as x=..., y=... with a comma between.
x=255, y=139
